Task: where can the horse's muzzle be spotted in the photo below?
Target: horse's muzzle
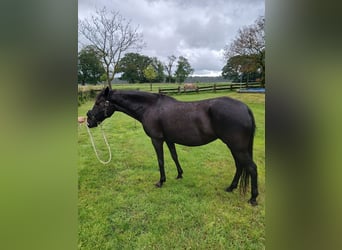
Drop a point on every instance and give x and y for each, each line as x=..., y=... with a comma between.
x=91, y=124
x=91, y=120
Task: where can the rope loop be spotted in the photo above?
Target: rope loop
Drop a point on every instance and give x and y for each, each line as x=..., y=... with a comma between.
x=94, y=147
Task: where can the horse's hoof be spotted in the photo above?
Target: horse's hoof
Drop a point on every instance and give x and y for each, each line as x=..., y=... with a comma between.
x=159, y=184
x=179, y=177
x=253, y=202
x=230, y=189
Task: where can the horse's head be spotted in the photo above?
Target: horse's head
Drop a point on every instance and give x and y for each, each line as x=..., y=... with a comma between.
x=101, y=110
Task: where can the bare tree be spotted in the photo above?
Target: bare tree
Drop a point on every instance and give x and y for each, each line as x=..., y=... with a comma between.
x=112, y=35
x=250, y=42
x=168, y=66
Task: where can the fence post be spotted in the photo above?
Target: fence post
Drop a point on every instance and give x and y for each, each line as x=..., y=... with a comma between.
x=214, y=87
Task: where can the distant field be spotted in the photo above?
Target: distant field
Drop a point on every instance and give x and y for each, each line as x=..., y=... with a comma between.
x=120, y=208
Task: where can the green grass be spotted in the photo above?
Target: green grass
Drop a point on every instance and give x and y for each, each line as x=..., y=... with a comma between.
x=120, y=208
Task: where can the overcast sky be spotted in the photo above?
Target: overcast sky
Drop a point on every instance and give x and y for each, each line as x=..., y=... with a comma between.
x=195, y=29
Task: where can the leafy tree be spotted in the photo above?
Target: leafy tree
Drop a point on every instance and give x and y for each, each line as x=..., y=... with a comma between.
x=112, y=35
x=159, y=68
x=249, y=43
x=90, y=67
x=231, y=70
x=183, y=69
x=150, y=74
x=240, y=68
x=103, y=78
x=132, y=66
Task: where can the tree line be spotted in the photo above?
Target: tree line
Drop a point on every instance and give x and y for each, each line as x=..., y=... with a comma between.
x=113, y=44
x=133, y=67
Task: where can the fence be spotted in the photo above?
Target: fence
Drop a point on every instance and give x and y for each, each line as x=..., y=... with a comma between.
x=89, y=94
x=213, y=88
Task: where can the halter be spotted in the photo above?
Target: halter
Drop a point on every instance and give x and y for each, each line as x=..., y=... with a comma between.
x=94, y=147
x=106, y=107
x=105, y=110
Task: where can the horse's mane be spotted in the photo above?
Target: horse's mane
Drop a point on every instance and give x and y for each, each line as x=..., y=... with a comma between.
x=136, y=95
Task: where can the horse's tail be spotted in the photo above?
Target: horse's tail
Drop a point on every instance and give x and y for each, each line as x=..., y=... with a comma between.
x=244, y=183
x=253, y=128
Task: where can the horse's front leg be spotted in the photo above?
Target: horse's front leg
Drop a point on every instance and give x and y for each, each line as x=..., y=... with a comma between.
x=158, y=146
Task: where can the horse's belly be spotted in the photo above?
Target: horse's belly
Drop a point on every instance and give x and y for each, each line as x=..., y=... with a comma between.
x=194, y=142
x=193, y=137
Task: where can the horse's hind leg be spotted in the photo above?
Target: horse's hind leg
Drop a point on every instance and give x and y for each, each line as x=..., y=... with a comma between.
x=237, y=175
x=254, y=182
x=173, y=152
x=246, y=167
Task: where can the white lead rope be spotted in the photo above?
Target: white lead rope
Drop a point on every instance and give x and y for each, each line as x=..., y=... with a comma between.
x=95, y=150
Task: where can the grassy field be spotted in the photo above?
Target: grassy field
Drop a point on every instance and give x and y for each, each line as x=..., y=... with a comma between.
x=120, y=208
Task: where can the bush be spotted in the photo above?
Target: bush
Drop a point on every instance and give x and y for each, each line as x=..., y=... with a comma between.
x=84, y=96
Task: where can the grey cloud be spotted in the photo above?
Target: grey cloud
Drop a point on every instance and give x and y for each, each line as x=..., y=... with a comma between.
x=211, y=34
x=197, y=29
x=204, y=2
x=205, y=60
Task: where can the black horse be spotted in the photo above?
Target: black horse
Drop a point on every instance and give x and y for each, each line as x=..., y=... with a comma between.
x=165, y=119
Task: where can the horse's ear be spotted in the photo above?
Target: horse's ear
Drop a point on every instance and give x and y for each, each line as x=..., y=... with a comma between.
x=106, y=92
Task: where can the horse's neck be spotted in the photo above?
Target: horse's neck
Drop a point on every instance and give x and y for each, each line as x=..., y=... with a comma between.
x=133, y=103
